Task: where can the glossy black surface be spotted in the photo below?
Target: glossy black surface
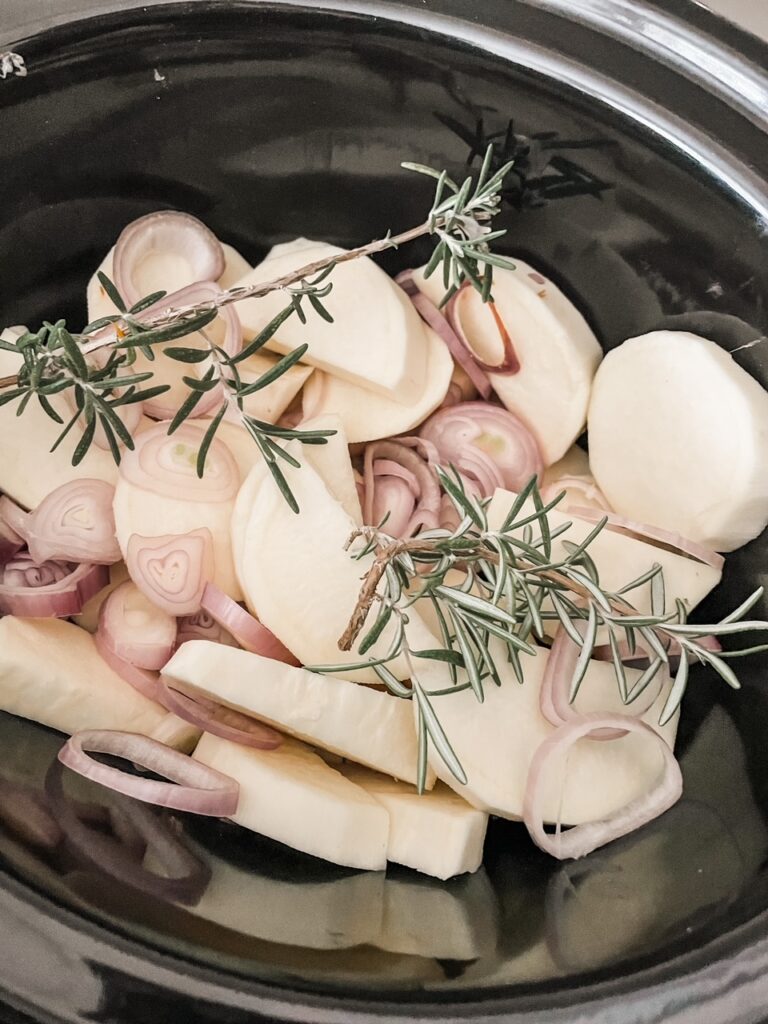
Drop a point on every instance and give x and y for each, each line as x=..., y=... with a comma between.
x=269, y=121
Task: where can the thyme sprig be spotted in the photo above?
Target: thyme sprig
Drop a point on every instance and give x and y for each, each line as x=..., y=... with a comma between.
x=512, y=586
x=95, y=364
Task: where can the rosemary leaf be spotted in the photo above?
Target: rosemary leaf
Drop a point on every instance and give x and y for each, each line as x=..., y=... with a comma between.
x=440, y=654
x=677, y=692
x=48, y=409
x=437, y=735
x=582, y=663
x=85, y=441
x=185, y=410
x=468, y=656
x=207, y=441
x=146, y=337
x=275, y=372
x=645, y=680
x=421, y=757
x=373, y=634
x=721, y=667
x=390, y=680
x=146, y=302
x=746, y=606
x=187, y=355
x=111, y=290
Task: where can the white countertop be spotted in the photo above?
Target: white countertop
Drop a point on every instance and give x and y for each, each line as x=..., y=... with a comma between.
x=751, y=14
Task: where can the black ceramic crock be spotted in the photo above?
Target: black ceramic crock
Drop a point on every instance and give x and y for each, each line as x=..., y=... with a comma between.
x=269, y=120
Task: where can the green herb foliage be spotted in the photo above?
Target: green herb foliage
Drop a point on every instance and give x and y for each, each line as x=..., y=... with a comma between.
x=95, y=365
x=512, y=587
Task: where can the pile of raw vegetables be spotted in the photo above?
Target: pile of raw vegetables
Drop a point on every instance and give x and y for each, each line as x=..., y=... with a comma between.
x=319, y=547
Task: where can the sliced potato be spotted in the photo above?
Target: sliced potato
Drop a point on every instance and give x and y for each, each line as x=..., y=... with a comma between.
x=555, y=347
x=376, y=339
x=437, y=833
x=292, y=795
x=356, y=722
x=29, y=470
x=297, y=577
x=368, y=415
x=51, y=672
x=678, y=436
x=496, y=740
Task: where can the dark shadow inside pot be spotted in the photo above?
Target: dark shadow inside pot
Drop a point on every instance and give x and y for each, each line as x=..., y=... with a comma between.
x=270, y=123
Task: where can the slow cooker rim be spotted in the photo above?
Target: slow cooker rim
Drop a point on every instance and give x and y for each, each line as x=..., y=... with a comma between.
x=739, y=953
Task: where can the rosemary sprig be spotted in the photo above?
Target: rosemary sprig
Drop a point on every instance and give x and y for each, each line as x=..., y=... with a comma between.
x=95, y=364
x=511, y=588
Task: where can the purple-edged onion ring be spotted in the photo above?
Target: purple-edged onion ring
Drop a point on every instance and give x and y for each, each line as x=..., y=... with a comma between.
x=583, y=839
x=195, y=787
x=674, y=542
x=217, y=719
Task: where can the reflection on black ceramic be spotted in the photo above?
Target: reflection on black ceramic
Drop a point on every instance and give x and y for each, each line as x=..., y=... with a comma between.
x=268, y=124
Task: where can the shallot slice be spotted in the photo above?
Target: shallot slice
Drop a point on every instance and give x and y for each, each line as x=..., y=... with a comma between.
x=249, y=633
x=674, y=542
x=457, y=314
x=135, y=629
x=172, y=570
x=399, y=482
x=485, y=442
x=74, y=523
x=202, y=626
x=50, y=589
x=194, y=787
x=554, y=694
x=166, y=465
x=140, y=679
x=583, y=839
x=150, y=245
x=432, y=316
x=219, y=720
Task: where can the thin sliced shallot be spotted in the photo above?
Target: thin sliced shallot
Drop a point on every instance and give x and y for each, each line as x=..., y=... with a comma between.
x=439, y=323
x=485, y=442
x=48, y=590
x=585, y=488
x=135, y=629
x=400, y=484
x=218, y=719
x=172, y=570
x=462, y=311
x=583, y=839
x=74, y=523
x=140, y=679
x=148, y=245
x=674, y=542
x=166, y=465
x=554, y=701
x=249, y=633
x=194, y=787
x=202, y=626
